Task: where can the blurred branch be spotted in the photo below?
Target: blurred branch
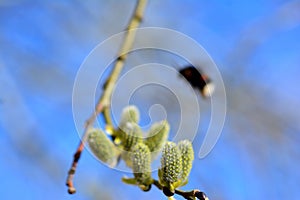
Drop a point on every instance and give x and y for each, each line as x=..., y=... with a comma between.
x=25, y=144
x=104, y=101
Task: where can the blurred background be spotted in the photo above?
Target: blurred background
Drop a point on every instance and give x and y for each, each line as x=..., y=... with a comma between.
x=255, y=45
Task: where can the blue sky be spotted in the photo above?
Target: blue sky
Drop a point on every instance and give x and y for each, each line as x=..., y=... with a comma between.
x=255, y=45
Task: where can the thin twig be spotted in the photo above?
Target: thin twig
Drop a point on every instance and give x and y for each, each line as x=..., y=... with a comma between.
x=190, y=195
x=157, y=184
x=104, y=101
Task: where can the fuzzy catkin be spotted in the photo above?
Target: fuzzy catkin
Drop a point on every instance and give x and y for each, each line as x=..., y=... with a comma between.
x=130, y=134
x=102, y=146
x=141, y=164
x=157, y=137
x=171, y=164
x=130, y=114
x=187, y=155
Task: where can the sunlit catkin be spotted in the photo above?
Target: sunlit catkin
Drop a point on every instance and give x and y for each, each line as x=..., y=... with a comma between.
x=102, y=147
x=171, y=164
x=130, y=134
x=141, y=165
x=157, y=137
x=187, y=155
x=130, y=115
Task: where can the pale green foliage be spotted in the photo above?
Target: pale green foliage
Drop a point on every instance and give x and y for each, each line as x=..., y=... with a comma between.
x=141, y=165
x=187, y=155
x=157, y=137
x=102, y=147
x=171, y=164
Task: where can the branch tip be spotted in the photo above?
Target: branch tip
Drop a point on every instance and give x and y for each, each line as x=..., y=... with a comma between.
x=71, y=190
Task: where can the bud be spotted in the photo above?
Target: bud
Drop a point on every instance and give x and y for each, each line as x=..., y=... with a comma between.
x=141, y=165
x=157, y=137
x=130, y=114
x=187, y=155
x=128, y=126
x=102, y=147
x=130, y=134
x=171, y=165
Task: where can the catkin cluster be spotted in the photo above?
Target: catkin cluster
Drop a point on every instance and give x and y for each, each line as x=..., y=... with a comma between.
x=138, y=151
x=176, y=164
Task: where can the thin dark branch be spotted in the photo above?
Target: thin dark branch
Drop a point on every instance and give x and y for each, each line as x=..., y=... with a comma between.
x=190, y=195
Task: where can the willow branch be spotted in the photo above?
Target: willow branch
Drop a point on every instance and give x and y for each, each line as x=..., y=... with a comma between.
x=103, y=104
x=190, y=195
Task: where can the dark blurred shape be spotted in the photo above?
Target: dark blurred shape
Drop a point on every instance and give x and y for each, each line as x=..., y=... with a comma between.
x=201, y=195
x=198, y=80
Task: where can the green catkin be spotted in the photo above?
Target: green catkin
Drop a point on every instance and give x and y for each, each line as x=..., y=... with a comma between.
x=102, y=147
x=130, y=134
x=130, y=114
x=171, y=164
x=187, y=155
x=141, y=165
x=157, y=137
